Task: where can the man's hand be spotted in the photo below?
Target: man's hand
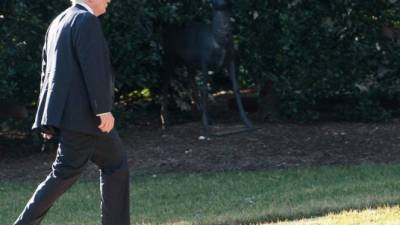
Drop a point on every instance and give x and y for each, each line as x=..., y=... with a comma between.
x=48, y=132
x=106, y=122
x=46, y=137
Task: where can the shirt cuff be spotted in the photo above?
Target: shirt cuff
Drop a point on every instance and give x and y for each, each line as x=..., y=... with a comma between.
x=100, y=114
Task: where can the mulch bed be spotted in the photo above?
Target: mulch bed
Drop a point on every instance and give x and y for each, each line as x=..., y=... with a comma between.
x=272, y=146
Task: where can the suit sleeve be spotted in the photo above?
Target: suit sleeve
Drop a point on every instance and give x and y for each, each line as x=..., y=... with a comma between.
x=92, y=56
x=44, y=61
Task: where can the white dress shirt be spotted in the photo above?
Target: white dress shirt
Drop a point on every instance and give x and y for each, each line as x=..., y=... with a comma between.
x=86, y=7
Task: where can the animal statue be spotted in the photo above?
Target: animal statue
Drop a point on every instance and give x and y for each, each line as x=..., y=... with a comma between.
x=203, y=47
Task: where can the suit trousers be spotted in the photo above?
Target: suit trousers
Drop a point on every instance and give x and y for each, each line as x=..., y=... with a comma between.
x=73, y=153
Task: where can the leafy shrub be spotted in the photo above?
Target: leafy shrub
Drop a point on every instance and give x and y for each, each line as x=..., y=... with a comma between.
x=312, y=52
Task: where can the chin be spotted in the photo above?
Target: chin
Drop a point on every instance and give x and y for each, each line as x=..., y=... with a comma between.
x=101, y=13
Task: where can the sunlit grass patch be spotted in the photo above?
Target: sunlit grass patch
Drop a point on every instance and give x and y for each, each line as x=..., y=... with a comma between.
x=380, y=216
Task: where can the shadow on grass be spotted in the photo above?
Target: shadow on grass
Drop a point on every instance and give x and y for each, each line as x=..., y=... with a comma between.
x=270, y=196
x=229, y=198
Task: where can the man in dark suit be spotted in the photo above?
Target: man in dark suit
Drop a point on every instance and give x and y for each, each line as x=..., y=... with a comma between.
x=75, y=102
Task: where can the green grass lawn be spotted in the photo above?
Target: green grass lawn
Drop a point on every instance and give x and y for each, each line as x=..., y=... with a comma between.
x=231, y=197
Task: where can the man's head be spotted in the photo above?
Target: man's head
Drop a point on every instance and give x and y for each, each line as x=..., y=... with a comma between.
x=99, y=7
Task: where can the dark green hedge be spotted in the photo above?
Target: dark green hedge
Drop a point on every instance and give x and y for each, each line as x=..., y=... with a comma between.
x=324, y=52
x=320, y=55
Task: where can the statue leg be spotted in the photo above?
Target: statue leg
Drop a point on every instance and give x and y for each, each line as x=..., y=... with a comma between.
x=195, y=95
x=204, y=98
x=163, y=108
x=236, y=91
x=168, y=70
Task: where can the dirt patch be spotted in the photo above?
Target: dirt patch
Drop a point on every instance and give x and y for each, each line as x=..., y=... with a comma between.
x=272, y=145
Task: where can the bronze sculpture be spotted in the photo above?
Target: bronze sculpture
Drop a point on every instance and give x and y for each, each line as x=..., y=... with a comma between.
x=205, y=47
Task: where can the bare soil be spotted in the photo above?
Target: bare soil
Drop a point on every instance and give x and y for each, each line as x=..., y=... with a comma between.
x=271, y=146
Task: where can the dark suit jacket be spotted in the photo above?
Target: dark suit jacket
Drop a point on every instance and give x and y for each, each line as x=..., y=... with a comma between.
x=76, y=81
